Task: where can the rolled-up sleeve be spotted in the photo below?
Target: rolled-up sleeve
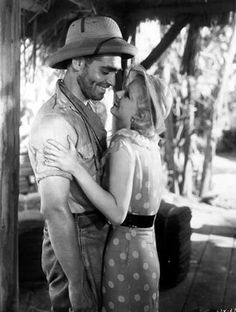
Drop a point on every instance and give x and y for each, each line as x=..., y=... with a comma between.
x=51, y=127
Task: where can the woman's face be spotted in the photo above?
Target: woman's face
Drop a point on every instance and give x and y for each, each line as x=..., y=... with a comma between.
x=126, y=104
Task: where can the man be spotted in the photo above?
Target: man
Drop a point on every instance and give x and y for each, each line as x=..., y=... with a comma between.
x=75, y=233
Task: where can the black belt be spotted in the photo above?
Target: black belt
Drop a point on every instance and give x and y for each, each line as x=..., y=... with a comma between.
x=142, y=221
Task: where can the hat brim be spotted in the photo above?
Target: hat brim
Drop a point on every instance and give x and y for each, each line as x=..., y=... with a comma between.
x=87, y=47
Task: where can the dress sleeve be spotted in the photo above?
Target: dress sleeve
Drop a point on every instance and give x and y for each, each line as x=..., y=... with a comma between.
x=119, y=142
x=51, y=127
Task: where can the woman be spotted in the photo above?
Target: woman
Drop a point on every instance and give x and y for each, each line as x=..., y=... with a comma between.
x=131, y=193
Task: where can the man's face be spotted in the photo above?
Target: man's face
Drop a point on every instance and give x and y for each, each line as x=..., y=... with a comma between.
x=97, y=75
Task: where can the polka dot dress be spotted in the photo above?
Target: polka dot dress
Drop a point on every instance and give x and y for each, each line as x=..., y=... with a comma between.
x=131, y=267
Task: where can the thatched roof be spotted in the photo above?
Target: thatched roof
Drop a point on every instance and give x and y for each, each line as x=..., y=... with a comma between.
x=46, y=21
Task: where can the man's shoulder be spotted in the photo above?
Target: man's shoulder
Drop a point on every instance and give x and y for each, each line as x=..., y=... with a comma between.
x=48, y=116
x=47, y=107
x=49, y=124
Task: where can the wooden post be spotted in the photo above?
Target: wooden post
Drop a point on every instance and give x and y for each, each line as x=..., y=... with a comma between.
x=9, y=151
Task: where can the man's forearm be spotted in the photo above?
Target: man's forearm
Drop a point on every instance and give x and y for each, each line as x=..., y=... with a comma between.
x=63, y=236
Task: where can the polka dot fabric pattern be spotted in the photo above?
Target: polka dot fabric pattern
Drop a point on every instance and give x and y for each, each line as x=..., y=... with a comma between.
x=131, y=269
x=131, y=272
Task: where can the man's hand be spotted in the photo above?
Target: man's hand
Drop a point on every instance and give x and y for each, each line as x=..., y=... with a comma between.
x=82, y=300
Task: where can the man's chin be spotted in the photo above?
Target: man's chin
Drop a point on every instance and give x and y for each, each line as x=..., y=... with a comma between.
x=98, y=97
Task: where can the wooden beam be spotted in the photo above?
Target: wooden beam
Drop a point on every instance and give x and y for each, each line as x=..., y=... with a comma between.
x=9, y=151
x=166, y=41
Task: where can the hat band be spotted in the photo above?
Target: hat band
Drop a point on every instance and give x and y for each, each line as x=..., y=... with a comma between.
x=100, y=44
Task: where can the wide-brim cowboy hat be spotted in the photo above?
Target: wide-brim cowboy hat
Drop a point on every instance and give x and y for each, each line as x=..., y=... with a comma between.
x=96, y=35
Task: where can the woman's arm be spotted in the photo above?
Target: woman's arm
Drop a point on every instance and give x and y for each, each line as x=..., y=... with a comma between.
x=113, y=204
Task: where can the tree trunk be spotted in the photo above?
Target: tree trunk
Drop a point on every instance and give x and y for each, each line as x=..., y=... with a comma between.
x=205, y=186
x=169, y=156
x=187, y=182
x=169, y=142
x=9, y=151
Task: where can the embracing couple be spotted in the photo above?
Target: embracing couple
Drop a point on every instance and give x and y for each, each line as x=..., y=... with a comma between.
x=99, y=204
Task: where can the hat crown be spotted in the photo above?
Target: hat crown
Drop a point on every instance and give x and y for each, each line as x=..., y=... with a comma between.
x=92, y=27
x=94, y=35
